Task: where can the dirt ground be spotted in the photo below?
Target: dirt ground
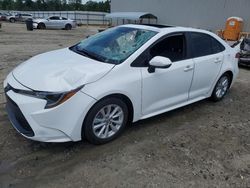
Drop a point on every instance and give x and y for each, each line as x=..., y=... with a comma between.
x=202, y=145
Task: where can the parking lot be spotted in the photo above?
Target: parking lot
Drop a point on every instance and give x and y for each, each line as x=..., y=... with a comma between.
x=205, y=144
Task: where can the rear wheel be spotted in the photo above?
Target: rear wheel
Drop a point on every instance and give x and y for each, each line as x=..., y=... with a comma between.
x=105, y=121
x=68, y=27
x=221, y=88
x=12, y=20
x=41, y=26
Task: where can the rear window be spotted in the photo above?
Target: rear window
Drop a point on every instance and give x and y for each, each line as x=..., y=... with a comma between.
x=203, y=45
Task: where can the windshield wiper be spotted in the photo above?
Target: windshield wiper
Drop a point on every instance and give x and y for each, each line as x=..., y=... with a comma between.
x=88, y=54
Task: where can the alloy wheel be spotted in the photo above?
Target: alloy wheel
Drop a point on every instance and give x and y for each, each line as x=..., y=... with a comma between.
x=222, y=87
x=108, y=121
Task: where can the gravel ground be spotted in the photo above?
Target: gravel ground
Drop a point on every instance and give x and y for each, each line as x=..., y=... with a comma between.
x=201, y=145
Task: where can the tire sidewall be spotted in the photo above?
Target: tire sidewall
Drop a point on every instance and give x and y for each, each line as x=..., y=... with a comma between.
x=41, y=26
x=12, y=20
x=68, y=27
x=87, y=125
x=214, y=96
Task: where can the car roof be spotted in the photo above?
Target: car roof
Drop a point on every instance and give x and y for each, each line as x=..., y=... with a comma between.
x=161, y=29
x=165, y=28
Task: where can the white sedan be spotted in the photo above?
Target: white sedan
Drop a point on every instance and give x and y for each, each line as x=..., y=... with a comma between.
x=54, y=22
x=93, y=89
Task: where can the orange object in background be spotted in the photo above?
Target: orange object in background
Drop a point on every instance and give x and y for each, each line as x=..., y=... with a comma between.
x=233, y=28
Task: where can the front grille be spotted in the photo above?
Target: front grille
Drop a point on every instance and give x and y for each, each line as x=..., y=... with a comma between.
x=17, y=118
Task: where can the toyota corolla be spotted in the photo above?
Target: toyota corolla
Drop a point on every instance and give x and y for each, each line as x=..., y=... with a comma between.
x=93, y=89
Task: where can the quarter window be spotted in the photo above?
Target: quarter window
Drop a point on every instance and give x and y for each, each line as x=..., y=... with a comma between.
x=217, y=47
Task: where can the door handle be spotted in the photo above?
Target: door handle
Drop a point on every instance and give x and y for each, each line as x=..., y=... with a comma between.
x=188, y=68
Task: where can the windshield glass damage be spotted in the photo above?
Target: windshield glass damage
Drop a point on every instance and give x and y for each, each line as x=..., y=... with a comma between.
x=114, y=45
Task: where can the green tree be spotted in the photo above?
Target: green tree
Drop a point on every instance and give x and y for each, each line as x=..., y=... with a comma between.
x=29, y=4
x=19, y=5
x=54, y=5
x=8, y=4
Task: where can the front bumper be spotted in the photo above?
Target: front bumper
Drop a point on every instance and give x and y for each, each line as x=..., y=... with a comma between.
x=60, y=124
x=17, y=118
x=35, y=25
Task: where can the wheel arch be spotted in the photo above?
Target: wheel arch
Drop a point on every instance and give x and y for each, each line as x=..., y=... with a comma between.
x=12, y=18
x=231, y=75
x=228, y=72
x=120, y=96
x=68, y=24
x=41, y=23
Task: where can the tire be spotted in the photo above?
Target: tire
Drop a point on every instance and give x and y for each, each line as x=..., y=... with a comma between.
x=98, y=129
x=221, y=88
x=68, y=27
x=41, y=26
x=12, y=20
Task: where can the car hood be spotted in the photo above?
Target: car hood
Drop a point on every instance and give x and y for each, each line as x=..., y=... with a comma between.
x=60, y=70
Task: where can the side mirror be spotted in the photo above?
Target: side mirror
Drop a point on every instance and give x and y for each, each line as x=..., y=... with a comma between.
x=159, y=62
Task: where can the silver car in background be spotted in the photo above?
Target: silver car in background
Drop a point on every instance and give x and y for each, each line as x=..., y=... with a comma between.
x=20, y=17
x=54, y=22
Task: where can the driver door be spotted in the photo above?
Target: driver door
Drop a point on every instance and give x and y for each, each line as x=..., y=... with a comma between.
x=167, y=87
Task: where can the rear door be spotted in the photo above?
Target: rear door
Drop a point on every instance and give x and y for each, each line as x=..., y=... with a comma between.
x=63, y=22
x=208, y=57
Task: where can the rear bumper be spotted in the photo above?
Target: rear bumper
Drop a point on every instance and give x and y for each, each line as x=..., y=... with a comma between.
x=244, y=63
x=244, y=60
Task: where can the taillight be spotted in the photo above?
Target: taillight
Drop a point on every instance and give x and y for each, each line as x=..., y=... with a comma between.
x=237, y=56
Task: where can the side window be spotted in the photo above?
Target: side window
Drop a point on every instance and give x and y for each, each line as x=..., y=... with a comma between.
x=203, y=45
x=172, y=47
x=64, y=18
x=54, y=18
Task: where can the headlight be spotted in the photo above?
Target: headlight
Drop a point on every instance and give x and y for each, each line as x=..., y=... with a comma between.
x=53, y=99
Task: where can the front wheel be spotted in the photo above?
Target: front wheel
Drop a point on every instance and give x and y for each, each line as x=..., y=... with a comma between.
x=41, y=26
x=221, y=88
x=105, y=121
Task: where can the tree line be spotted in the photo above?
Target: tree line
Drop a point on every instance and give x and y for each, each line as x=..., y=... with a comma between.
x=54, y=5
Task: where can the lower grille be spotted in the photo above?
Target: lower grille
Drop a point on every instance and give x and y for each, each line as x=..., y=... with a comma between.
x=17, y=118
